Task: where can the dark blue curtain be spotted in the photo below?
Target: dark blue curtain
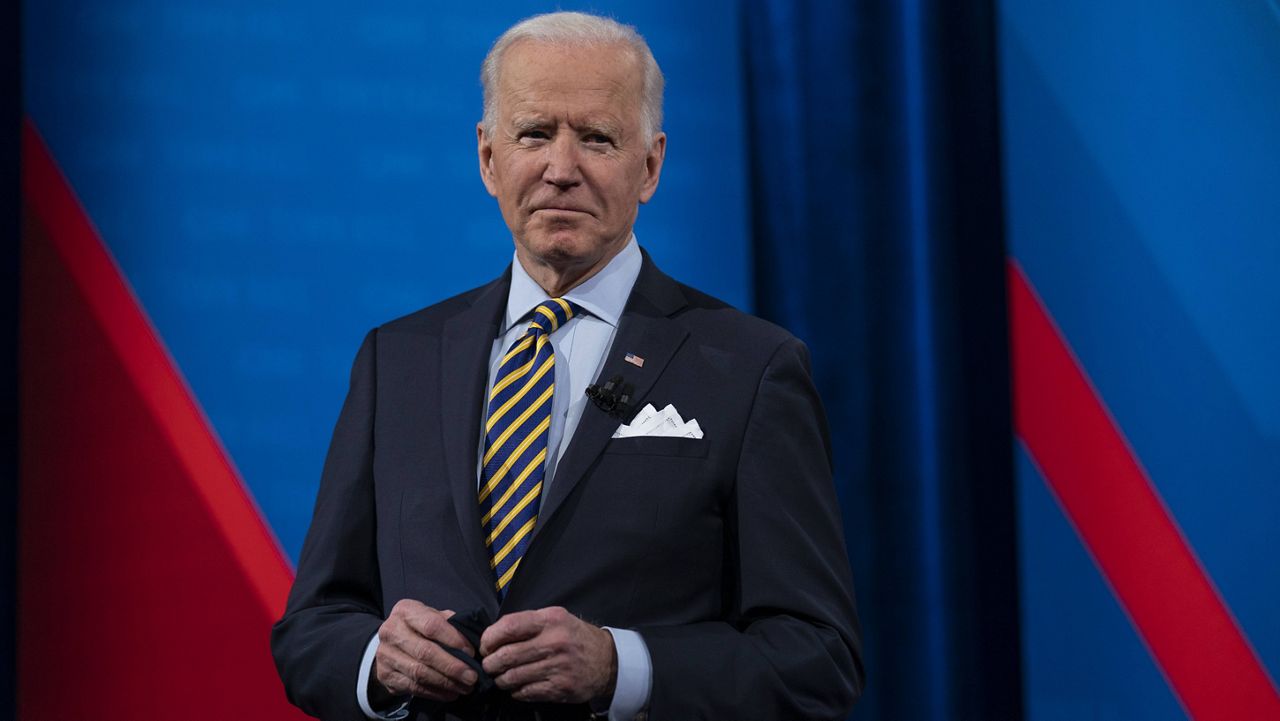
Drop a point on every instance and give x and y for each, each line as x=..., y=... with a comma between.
x=877, y=229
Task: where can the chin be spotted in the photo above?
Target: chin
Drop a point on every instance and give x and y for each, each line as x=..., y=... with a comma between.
x=564, y=248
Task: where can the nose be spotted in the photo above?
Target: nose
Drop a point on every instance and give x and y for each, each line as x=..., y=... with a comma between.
x=562, y=168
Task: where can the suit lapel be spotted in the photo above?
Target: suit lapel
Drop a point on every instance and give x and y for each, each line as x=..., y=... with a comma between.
x=465, y=348
x=645, y=330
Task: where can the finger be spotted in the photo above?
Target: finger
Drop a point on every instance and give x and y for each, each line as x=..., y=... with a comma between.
x=543, y=692
x=432, y=624
x=429, y=623
x=396, y=683
x=515, y=655
x=554, y=688
x=557, y=632
x=517, y=677
x=399, y=637
x=406, y=685
x=510, y=629
x=396, y=632
x=406, y=606
x=425, y=673
x=416, y=670
x=434, y=655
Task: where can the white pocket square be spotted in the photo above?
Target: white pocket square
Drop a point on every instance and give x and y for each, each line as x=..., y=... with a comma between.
x=653, y=423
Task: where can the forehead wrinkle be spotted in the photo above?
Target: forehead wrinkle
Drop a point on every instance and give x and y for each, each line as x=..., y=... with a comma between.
x=534, y=99
x=597, y=80
x=632, y=73
x=593, y=79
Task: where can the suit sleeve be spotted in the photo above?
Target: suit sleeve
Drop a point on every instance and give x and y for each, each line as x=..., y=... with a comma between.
x=789, y=646
x=335, y=605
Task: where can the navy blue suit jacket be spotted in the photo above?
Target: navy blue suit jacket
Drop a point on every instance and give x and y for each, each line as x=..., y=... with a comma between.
x=725, y=553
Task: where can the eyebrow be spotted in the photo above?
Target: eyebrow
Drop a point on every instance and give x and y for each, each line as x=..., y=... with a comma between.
x=604, y=128
x=533, y=122
x=529, y=123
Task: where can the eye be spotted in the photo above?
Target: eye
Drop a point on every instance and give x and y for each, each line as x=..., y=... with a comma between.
x=597, y=139
x=532, y=135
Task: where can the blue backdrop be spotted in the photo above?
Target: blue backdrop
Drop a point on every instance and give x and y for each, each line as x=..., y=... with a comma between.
x=1141, y=149
x=275, y=179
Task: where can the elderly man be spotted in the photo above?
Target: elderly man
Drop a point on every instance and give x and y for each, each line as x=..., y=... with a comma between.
x=582, y=489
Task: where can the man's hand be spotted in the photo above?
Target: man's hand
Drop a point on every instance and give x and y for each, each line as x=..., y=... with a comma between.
x=550, y=655
x=410, y=660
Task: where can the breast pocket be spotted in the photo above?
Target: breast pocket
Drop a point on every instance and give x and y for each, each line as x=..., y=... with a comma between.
x=658, y=446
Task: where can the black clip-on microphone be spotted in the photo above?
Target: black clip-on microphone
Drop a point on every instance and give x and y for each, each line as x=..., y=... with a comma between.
x=612, y=398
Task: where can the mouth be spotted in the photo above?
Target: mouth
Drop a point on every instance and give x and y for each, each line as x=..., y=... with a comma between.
x=559, y=209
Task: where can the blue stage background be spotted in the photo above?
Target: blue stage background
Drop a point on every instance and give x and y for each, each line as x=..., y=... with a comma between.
x=275, y=179
x=1142, y=158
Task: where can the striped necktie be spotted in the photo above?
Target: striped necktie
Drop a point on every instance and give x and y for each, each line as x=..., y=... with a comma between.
x=515, y=440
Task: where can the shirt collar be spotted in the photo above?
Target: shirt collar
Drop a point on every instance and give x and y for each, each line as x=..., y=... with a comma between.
x=603, y=295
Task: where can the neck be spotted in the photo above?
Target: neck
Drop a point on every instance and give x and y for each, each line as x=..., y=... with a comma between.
x=556, y=279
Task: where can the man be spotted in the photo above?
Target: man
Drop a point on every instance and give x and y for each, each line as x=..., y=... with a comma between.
x=489, y=542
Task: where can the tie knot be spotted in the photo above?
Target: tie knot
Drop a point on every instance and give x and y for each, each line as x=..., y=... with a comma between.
x=551, y=314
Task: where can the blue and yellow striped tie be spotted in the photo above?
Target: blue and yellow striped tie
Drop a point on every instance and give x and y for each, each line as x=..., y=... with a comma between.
x=515, y=440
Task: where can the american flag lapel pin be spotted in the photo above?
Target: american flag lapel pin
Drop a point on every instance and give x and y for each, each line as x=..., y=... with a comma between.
x=634, y=360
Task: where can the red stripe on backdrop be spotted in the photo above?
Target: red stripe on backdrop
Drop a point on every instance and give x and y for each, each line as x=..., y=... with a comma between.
x=155, y=375
x=1120, y=517
x=147, y=581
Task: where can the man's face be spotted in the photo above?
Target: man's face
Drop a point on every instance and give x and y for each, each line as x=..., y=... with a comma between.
x=567, y=160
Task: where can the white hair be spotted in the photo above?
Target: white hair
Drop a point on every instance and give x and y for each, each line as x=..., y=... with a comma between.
x=576, y=29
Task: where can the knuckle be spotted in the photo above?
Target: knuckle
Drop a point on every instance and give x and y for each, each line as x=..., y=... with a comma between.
x=418, y=671
x=418, y=689
x=549, y=692
x=557, y=642
x=448, y=665
x=431, y=625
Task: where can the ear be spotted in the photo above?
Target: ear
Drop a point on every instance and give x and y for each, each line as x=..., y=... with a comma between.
x=653, y=166
x=484, y=150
